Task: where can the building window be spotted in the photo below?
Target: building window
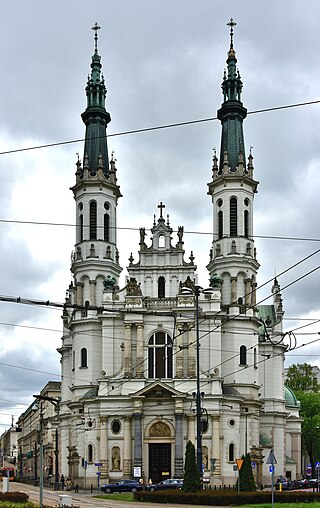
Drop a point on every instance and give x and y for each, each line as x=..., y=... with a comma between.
x=106, y=227
x=231, y=452
x=93, y=220
x=243, y=355
x=73, y=360
x=81, y=228
x=83, y=358
x=233, y=217
x=246, y=223
x=160, y=355
x=90, y=453
x=115, y=426
x=161, y=242
x=255, y=358
x=220, y=224
x=161, y=287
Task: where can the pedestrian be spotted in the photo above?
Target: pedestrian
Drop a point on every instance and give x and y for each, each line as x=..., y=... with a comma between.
x=62, y=482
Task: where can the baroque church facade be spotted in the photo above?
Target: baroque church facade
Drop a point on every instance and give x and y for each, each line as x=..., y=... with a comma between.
x=131, y=356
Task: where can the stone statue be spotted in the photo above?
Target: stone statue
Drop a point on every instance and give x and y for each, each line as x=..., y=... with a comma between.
x=116, y=458
x=133, y=288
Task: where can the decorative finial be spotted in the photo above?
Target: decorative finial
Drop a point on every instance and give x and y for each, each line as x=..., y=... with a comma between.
x=251, y=147
x=161, y=206
x=231, y=24
x=78, y=157
x=214, y=152
x=96, y=27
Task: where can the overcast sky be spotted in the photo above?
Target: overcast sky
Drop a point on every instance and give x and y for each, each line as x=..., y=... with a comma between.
x=163, y=63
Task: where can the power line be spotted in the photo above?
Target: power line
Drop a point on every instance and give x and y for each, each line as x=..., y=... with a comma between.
x=157, y=127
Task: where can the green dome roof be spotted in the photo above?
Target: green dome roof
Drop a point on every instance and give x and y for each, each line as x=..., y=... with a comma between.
x=290, y=398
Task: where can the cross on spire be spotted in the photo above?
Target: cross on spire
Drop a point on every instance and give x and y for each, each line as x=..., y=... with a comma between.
x=161, y=206
x=96, y=27
x=231, y=24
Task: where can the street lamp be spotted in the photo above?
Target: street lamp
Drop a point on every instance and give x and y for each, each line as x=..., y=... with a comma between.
x=196, y=292
x=56, y=404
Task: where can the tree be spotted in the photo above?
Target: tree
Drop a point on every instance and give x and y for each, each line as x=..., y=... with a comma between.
x=310, y=427
x=192, y=481
x=300, y=376
x=247, y=483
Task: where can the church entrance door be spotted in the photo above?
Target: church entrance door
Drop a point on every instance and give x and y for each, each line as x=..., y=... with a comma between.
x=159, y=462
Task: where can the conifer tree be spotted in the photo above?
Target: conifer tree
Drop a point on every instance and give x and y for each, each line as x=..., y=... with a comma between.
x=247, y=483
x=192, y=481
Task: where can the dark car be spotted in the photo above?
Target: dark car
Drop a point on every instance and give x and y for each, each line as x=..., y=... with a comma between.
x=284, y=482
x=122, y=486
x=171, y=483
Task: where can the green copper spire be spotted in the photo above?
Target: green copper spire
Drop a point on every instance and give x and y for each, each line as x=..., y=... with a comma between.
x=95, y=117
x=232, y=112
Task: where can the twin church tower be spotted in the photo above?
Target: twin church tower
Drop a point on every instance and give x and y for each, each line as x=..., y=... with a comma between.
x=129, y=355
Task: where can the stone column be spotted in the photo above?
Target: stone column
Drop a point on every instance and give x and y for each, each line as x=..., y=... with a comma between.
x=92, y=292
x=192, y=352
x=191, y=429
x=179, y=356
x=127, y=351
x=178, y=461
x=254, y=294
x=127, y=448
x=137, y=453
x=216, y=445
x=104, y=446
x=140, y=357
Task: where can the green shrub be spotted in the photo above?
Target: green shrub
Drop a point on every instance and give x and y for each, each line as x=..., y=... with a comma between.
x=14, y=497
x=191, y=481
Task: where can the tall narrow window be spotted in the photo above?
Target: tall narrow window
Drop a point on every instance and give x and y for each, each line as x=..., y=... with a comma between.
x=231, y=452
x=233, y=217
x=106, y=227
x=246, y=223
x=90, y=453
x=220, y=224
x=243, y=355
x=160, y=355
x=161, y=287
x=93, y=220
x=161, y=241
x=255, y=358
x=84, y=358
x=81, y=228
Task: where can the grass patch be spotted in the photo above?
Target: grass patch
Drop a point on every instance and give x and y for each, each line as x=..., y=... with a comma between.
x=10, y=504
x=122, y=496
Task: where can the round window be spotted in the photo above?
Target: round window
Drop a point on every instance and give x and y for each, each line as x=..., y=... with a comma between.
x=80, y=206
x=106, y=205
x=219, y=202
x=116, y=426
x=246, y=201
x=232, y=423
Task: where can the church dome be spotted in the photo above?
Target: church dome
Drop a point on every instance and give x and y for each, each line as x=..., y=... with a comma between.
x=290, y=398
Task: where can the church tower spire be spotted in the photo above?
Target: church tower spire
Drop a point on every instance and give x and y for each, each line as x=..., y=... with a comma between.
x=96, y=259
x=95, y=117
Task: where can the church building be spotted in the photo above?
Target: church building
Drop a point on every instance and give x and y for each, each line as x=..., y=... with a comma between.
x=142, y=364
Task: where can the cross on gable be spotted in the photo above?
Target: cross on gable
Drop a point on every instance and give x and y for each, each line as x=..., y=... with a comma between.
x=161, y=206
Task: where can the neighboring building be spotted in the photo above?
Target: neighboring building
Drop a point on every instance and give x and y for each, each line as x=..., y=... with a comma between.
x=28, y=465
x=129, y=355
x=9, y=448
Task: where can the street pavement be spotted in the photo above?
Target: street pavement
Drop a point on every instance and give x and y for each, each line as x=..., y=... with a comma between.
x=86, y=500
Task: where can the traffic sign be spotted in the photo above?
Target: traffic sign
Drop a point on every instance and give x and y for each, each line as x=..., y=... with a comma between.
x=271, y=469
x=98, y=464
x=253, y=464
x=271, y=459
x=317, y=466
x=239, y=463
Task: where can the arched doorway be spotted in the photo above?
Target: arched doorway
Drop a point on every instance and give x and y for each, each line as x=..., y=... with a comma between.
x=159, y=452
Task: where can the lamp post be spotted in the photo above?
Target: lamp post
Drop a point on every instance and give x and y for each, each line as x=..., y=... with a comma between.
x=196, y=291
x=56, y=404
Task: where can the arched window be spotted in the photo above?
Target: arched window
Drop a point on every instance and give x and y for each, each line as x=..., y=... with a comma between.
x=90, y=453
x=161, y=241
x=93, y=220
x=243, y=355
x=161, y=287
x=246, y=223
x=231, y=452
x=220, y=224
x=233, y=217
x=106, y=227
x=83, y=357
x=81, y=228
x=255, y=358
x=160, y=355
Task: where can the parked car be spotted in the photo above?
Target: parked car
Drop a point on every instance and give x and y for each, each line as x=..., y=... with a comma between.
x=171, y=483
x=122, y=486
x=284, y=482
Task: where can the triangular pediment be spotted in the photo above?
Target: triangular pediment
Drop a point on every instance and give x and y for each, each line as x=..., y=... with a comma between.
x=158, y=390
